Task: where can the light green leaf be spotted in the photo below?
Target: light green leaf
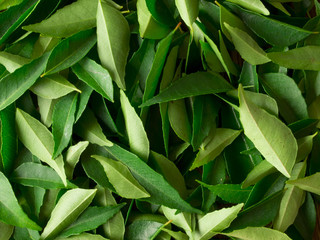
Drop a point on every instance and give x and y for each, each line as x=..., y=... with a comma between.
x=83, y=236
x=176, y=235
x=44, y=44
x=72, y=157
x=304, y=146
x=4, y=4
x=270, y=136
x=91, y=218
x=15, y=84
x=246, y=46
x=286, y=92
x=138, y=139
x=89, y=129
x=37, y=138
x=253, y=5
x=216, y=221
x=121, y=179
x=194, y=84
x=73, y=18
x=293, y=58
x=5, y=231
x=53, y=86
x=68, y=208
x=291, y=201
x=182, y=219
x=261, y=233
x=148, y=26
x=70, y=50
x=62, y=122
x=188, y=9
x=113, y=35
x=95, y=76
x=12, y=62
x=21, y=233
x=214, y=144
x=310, y=183
x=36, y=175
x=46, y=109
x=86, y=92
x=11, y=213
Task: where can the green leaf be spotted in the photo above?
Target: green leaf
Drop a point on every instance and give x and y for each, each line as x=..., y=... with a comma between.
x=176, y=235
x=37, y=138
x=4, y=4
x=289, y=98
x=37, y=175
x=310, y=183
x=189, y=86
x=15, y=84
x=70, y=50
x=12, y=62
x=83, y=98
x=12, y=18
x=62, y=122
x=6, y=231
x=121, y=179
x=216, y=221
x=211, y=59
x=83, y=236
x=90, y=219
x=182, y=219
x=53, y=86
x=279, y=147
x=89, y=129
x=113, y=35
x=95, y=76
x=11, y=213
x=72, y=157
x=68, y=208
x=261, y=233
x=9, y=139
x=254, y=5
x=232, y=193
x=44, y=44
x=189, y=10
x=161, y=191
x=214, y=145
x=142, y=229
x=73, y=18
x=291, y=201
x=246, y=46
x=25, y=233
x=148, y=26
x=305, y=145
x=272, y=31
x=46, y=109
x=138, y=139
x=293, y=58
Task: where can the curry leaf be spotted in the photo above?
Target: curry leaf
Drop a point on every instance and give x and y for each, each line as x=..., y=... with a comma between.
x=257, y=232
x=188, y=10
x=310, y=183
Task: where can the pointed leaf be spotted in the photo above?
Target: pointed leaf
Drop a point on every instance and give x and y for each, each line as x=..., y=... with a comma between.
x=11, y=213
x=70, y=50
x=37, y=175
x=254, y=5
x=199, y=83
x=6, y=231
x=292, y=58
x=138, y=139
x=279, y=147
x=188, y=10
x=121, y=179
x=12, y=62
x=246, y=46
x=310, y=183
x=89, y=129
x=216, y=221
x=83, y=236
x=182, y=219
x=261, y=233
x=73, y=155
x=46, y=109
x=68, y=208
x=95, y=76
x=90, y=219
x=215, y=143
x=37, y=138
x=113, y=35
x=15, y=84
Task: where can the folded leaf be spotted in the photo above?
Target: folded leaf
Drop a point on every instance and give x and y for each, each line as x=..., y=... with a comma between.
x=46, y=109
x=68, y=208
x=310, y=183
x=12, y=62
x=90, y=219
x=305, y=58
x=254, y=5
x=261, y=233
x=182, y=219
x=15, y=84
x=194, y=84
x=70, y=50
x=11, y=213
x=246, y=46
x=188, y=10
x=73, y=155
x=215, y=144
x=37, y=138
x=138, y=139
x=121, y=178
x=113, y=35
x=270, y=136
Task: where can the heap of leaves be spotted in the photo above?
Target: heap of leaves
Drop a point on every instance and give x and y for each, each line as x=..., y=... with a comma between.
x=159, y=119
